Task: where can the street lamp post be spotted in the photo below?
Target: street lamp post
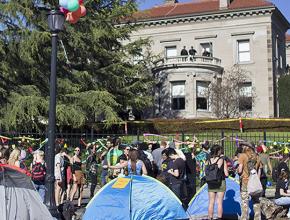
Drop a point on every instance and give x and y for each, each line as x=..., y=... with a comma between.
x=55, y=23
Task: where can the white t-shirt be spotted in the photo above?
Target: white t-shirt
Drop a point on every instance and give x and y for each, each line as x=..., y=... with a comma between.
x=58, y=159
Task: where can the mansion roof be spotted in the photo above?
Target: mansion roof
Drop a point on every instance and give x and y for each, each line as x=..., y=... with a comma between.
x=197, y=7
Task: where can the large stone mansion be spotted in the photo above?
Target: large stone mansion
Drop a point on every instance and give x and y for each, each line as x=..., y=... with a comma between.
x=221, y=33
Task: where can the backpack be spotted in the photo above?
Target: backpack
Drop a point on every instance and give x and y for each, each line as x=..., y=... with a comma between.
x=254, y=186
x=38, y=172
x=147, y=163
x=251, y=165
x=67, y=210
x=213, y=174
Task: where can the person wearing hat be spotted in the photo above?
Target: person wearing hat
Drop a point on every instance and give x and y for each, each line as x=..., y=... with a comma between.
x=266, y=163
x=248, y=155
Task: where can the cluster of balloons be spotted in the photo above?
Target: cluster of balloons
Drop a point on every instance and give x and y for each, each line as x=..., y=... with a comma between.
x=72, y=9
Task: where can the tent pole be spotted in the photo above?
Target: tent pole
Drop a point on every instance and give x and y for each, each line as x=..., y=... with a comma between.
x=130, y=197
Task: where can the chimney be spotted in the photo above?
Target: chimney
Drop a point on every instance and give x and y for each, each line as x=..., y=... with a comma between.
x=224, y=4
x=167, y=2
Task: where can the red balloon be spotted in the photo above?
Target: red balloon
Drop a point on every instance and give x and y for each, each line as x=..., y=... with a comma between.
x=77, y=13
x=83, y=10
x=71, y=18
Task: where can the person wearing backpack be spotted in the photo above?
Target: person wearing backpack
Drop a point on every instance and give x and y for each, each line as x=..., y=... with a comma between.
x=249, y=164
x=92, y=168
x=38, y=173
x=282, y=194
x=146, y=161
x=216, y=171
x=266, y=170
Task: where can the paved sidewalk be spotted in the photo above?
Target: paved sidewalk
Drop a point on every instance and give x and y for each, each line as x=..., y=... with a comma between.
x=85, y=201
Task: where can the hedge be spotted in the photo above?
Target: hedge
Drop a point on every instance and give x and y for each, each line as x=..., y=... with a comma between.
x=166, y=126
x=284, y=98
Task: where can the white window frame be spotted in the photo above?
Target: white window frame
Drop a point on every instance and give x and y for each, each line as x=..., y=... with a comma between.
x=182, y=95
x=246, y=90
x=245, y=51
x=170, y=47
x=210, y=48
x=202, y=95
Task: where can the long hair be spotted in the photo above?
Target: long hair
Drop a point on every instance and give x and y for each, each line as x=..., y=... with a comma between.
x=133, y=157
x=283, y=175
x=14, y=156
x=250, y=153
x=215, y=151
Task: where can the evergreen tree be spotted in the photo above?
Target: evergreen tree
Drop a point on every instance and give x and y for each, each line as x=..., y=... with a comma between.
x=96, y=75
x=284, y=98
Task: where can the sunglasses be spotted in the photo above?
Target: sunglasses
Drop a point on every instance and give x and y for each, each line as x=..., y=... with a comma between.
x=77, y=150
x=127, y=148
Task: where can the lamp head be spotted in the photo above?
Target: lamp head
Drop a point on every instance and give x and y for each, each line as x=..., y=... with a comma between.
x=55, y=21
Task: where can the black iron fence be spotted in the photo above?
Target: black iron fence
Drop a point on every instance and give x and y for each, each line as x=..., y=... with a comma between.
x=228, y=139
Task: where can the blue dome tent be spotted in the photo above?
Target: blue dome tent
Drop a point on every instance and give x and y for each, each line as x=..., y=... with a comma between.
x=198, y=206
x=135, y=198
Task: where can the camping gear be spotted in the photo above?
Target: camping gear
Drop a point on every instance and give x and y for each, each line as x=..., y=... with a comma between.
x=135, y=198
x=198, y=206
x=18, y=197
x=270, y=210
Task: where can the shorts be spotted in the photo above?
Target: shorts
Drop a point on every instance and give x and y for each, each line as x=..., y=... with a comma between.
x=80, y=180
x=221, y=188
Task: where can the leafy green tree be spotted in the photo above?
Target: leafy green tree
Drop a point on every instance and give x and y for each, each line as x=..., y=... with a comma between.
x=96, y=75
x=283, y=94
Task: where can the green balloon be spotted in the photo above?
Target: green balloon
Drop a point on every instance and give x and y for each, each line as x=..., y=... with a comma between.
x=73, y=5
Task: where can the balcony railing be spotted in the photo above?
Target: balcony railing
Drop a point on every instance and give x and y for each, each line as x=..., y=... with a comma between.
x=188, y=60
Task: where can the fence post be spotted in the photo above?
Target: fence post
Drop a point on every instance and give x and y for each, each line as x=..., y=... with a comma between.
x=92, y=133
x=265, y=137
x=183, y=139
x=222, y=138
x=138, y=135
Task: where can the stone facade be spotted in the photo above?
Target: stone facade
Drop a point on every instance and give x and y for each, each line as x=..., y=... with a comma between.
x=251, y=36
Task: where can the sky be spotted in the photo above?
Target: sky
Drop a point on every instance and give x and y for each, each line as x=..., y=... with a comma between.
x=283, y=5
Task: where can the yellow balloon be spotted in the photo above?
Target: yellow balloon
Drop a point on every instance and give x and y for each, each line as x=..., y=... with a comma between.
x=65, y=145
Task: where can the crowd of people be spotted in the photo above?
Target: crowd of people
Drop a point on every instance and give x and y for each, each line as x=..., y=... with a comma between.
x=177, y=164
